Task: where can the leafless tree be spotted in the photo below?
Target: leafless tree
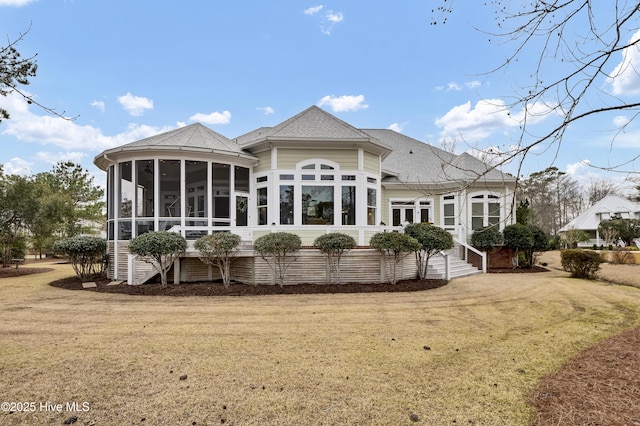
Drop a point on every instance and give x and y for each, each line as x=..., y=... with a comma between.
x=575, y=52
x=554, y=198
x=597, y=189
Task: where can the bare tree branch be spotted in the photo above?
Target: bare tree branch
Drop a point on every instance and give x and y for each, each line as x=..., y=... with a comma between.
x=16, y=71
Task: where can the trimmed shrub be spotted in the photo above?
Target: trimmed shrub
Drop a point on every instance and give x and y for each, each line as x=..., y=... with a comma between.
x=540, y=243
x=334, y=245
x=519, y=237
x=219, y=249
x=86, y=254
x=581, y=263
x=432, y=240
x=394, y=246
x=486, y=238
x=160, y=249
x=277, y=250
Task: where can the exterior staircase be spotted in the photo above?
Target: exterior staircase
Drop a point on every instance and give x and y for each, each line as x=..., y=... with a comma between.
x=457, y=268
x=460, y=261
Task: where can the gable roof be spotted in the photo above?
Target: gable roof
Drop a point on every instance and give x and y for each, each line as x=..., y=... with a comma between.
x=194, y=137
x=413, y=161
x=612, y=204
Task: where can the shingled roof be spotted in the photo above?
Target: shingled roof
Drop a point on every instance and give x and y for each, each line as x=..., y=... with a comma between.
x=311, y=124
x=194, y=137
x=413, y=161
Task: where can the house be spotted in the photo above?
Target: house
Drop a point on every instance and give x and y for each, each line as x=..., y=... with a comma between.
x=310, y=174
x=610, y=207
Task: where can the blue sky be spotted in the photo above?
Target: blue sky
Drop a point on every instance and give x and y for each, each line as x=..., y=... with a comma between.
x=130, y=69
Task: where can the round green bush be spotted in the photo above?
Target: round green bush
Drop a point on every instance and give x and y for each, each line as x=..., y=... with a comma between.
x=581, y=263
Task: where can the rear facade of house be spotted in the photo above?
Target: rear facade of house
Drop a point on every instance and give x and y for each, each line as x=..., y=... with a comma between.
x=311, y=174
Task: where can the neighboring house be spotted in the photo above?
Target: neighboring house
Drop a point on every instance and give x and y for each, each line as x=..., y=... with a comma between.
x=611, y=206
x=310, y=174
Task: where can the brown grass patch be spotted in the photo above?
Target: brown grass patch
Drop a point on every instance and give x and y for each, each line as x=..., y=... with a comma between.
x=470, y=352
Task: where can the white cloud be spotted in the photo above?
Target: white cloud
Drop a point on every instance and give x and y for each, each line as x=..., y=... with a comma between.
x=621, y=120
x=453, y=86
x=135, y=105
x=266, y=110
x=213, y=118
x=582, y=172
x=397, y=127
x=17, y=166
x=334, y=17
x=65, y=134
x=16, y=3
x=98, y=104
x=328, y=19
x=577, y=169
x=53, y=158
x=313, y=10
x=472, y=84
x=625, y=78
x=343, y=103
x=485, y=118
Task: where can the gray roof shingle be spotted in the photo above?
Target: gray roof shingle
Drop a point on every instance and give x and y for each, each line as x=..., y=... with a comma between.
x=192, y=136
x=312, y=123
x=413, y=161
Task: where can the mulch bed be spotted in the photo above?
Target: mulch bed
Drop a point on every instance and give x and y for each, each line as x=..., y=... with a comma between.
x=535, y=269
x=238, y=289
x=600, y=386
x=13, y=272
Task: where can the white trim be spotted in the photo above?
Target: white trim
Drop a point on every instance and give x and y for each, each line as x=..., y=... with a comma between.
x=183, y=192
x=317, y=161
x=274, y=158
x=417, y=207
